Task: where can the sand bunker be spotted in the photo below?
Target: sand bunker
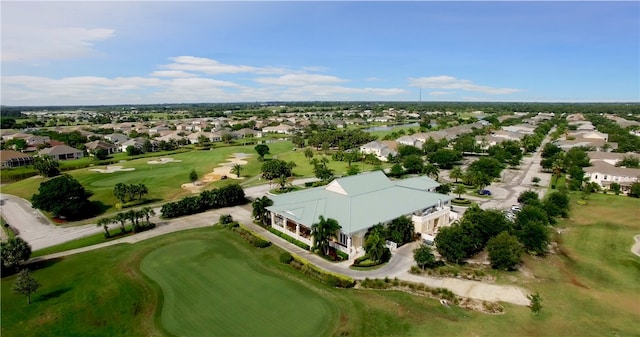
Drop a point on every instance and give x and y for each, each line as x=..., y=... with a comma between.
x=163, y=161
x=636, y=246
x=224, y=170
x=111, y=169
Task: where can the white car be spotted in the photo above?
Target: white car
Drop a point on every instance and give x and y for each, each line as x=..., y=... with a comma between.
x=516, y=208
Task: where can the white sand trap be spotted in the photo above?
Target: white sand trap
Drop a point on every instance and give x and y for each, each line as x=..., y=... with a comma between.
x=636, y=246
x=219, y=172
x=111, y=169
x=163, y=161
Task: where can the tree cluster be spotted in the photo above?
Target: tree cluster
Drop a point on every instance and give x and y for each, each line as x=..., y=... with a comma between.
x=341, y=139
x=505, y=240
x=226, y=196
x=129, y=192
x=63, y=196
x=133, y=216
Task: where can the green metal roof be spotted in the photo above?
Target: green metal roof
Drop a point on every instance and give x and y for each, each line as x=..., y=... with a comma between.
x=356, y=202
x=421, y=183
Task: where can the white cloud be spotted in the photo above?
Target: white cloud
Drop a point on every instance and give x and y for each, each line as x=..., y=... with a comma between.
x=27, y=43
x=213, y=67
x=172, y=73
x=452, y=83
x=299, y=79
x=440, y=93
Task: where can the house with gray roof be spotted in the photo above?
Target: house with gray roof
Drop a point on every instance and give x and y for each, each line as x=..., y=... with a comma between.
x=62, y=152
x=358, y=203
x=380, y=149
x=605, y=174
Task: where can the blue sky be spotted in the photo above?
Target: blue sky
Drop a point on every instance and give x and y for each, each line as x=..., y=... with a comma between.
x=124, y=52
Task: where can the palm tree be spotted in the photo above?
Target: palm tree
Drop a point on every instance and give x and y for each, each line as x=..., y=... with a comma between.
x=308, y=152
x=235, y=169
x=456, y=173
x=104, y=222
x=557, y=169
x=260, y=212
x=148, y=212
x=323, y=232
x=431, y=171
x=122, y=219
x=459, y=190
x=283, y=181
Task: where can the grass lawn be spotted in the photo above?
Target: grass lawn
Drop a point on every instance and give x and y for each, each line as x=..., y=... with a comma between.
x=228, y=297
x=590, y=290
x=164, y=182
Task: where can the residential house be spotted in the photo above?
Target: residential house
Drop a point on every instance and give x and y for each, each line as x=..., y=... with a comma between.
x=595, y=144
x=410, y=141
x=62, y=152
x=282, y=128
x=611, y=158
x=98, y=144
x=116, y=138
x=604, y=174
x=519, y=128
x=246, y=133
x=381, y=150
x=10, y=158
x=138, y=143
x=358, y=203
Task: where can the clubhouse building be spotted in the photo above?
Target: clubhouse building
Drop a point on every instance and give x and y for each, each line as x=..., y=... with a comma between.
x=358, y=203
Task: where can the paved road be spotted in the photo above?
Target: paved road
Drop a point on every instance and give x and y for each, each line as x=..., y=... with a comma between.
x=515, y=181
x=32, y=226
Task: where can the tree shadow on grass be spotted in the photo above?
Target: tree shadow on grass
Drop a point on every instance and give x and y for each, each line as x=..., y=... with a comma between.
x=42, y=264
x=52, y=294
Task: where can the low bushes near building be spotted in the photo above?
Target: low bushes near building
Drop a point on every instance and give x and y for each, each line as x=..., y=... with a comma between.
x=328, y=278
x=252, y=237
x=289, y=238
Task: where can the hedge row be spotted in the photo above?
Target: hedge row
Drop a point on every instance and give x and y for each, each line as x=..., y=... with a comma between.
x=328, y=278
x=230, y=195
x=252, y=237
x=289, y=238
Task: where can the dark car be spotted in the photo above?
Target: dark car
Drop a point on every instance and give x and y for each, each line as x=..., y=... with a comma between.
x=484, y=192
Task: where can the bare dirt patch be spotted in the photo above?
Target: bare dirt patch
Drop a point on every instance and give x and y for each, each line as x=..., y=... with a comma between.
x=221, y=172
x=111, y=169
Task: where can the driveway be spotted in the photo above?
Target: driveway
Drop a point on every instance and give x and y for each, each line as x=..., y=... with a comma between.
x=32, y=226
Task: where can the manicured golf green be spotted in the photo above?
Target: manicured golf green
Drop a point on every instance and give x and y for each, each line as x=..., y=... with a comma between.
x=215, y=289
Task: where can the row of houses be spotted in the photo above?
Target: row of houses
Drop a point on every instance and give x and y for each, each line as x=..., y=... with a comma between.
x=604, y=172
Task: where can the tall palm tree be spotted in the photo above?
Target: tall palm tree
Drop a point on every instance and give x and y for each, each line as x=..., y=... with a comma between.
x=431, y=171
x=122, y=219
x=236, y=169
x=456, y=173
x=459, y=190
x=260, y=212
x=104, y=222
x=323, y=232
x=148, y=212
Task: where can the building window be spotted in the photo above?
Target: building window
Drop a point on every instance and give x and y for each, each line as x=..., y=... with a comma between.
x=343, y=239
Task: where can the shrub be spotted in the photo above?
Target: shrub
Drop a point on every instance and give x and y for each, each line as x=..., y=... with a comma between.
x=334, y=280
x=252, y=237
x=225, y=219
x=289, y=239
x=286, y=258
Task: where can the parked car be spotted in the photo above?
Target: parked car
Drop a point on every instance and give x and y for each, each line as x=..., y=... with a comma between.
x=484, y=192
x=516, y=208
